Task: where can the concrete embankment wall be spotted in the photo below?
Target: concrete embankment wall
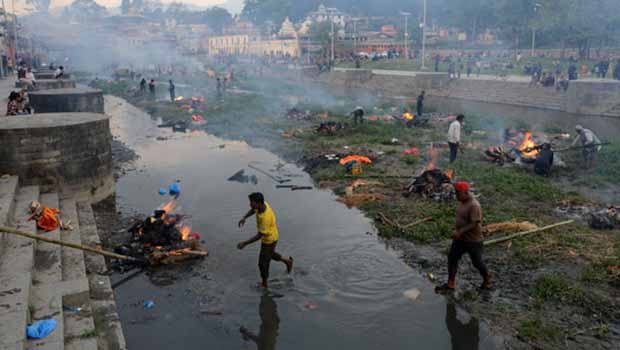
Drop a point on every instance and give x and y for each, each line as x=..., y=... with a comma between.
x=67, y=152
x=588, y=97
x=80, y=99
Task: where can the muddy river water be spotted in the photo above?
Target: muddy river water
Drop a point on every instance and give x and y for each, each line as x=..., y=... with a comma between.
x=346, y=291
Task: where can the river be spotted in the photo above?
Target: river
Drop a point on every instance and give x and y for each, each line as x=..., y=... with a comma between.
x=347, y=287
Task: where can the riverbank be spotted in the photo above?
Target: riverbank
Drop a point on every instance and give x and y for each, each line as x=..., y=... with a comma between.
x=541, y=282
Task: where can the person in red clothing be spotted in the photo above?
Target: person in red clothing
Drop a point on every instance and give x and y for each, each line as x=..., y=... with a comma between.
x=467, y=238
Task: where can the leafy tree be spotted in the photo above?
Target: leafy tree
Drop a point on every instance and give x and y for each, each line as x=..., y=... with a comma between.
x=40, y=5
x=216, y=18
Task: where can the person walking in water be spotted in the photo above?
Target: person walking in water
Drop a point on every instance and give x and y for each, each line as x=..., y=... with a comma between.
x=268, y=235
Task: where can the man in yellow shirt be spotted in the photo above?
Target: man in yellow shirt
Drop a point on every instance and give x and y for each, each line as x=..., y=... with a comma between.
x=268, y=234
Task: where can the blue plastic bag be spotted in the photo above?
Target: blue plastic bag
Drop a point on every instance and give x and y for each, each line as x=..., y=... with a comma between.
x=40, y=329
x=175, y=189
x=148, y=304
x=162, y=191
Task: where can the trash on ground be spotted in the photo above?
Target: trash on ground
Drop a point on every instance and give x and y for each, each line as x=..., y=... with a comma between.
x=240, y=176
x=412, y=294
x=148, y=304
x=41, y=329
x=310, y=305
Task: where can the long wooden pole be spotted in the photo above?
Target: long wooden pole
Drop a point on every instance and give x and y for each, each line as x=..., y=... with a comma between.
x=66, y=244
x=519, y=234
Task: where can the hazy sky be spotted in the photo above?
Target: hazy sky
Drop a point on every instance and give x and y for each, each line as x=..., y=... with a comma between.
x=112, y=3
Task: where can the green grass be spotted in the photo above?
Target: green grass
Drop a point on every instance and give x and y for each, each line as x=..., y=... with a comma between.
x=557, y=288
x=540, y=330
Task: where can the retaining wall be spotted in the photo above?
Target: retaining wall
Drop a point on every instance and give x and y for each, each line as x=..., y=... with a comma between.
x=591, y=97
x=47, y=84
x=67, y=100
x=70, y=152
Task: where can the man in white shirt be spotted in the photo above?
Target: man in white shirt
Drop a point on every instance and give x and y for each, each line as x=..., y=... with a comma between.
x=454, y=136
x=591, y=145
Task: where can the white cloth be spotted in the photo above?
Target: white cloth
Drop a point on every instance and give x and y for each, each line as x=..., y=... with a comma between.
x=30, y=76
x=454, y=133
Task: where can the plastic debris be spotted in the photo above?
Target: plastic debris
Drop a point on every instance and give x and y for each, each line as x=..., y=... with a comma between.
x=162, y=191
x=174, y=189
x=148, y=304
x=430, y=276
x=310, y=305
x=412, y=294
x=41, y=329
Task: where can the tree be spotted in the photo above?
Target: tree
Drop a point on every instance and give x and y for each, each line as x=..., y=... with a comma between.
x=40, y=5
x=217, y=18
x=321, y=32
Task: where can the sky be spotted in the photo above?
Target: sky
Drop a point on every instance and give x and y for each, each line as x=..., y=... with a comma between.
x=116, y=3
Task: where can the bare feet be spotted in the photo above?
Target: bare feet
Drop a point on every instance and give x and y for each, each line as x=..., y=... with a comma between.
x=289, y=265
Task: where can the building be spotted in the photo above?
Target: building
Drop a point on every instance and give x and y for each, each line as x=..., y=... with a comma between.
x=325, y=14
x=243, y=38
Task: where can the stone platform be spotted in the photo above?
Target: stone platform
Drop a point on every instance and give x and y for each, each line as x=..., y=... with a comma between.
x=47, y=84
x=50, y=75
x=80, y=99
x=67, y=152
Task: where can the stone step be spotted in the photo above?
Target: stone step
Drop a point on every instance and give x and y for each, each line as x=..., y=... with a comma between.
x=46, y=297
x=107, y=321
x=72, y=260
x=79, y=326
x=47, y=268
x=16, y=266
x=8, y=188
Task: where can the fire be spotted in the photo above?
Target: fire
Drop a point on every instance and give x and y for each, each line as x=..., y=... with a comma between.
x=168, y=207
x=432, y=152
x=185, y=231
x=527, y=147
x=450, y=174
x=408, y=116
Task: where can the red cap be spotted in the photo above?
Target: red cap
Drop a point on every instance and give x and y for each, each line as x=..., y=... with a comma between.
x=461, y=186
x=195, y=236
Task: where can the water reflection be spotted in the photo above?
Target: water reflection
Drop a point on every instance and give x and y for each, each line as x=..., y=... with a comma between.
x=464, y=336
x=270, y=323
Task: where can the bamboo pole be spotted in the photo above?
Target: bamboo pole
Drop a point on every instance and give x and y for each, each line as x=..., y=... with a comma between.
x=416, y=223
x=519, y=234
x=66, y=244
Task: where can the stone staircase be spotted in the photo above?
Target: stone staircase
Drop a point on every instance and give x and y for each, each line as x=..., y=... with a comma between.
x=614, y=112
x=39, y=280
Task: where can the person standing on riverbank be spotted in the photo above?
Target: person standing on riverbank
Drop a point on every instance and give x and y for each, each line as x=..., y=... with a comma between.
x=152, y=88
x=591, y=145
x=171, y=89
x=420, y=104
x=467, y=238
x=268, y=235
x=454, y=137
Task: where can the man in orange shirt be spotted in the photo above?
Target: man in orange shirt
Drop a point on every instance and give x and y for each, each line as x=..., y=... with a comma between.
x=268, y=234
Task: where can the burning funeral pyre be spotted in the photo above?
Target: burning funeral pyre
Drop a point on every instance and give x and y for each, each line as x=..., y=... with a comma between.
x=433, y=183
x=517, y=146
x=161, y=239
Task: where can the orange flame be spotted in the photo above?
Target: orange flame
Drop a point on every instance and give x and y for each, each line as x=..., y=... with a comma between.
x=408, y=116
x=527, y=147
x=169, y=206
x=450, y=174
x=432, y=152
x=185, y=231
